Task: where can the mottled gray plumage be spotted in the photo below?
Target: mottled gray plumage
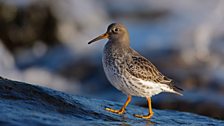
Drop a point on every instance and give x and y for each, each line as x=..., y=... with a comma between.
x=125, y=68
x=130, y=72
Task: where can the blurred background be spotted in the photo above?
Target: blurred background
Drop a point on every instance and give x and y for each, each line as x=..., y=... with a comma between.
x=45, y=42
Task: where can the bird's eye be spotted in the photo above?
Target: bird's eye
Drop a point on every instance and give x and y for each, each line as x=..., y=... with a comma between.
x=116, y=29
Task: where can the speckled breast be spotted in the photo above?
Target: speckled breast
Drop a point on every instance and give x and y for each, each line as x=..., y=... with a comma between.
x=113, y=66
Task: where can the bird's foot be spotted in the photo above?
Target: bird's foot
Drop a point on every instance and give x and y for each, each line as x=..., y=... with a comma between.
x=144, y=116
x=121, y=111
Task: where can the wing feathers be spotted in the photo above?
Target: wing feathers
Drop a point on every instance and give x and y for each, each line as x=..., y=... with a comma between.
x=140, y=67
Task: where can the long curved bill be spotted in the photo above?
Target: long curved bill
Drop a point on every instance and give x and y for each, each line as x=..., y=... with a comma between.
x=103, y=36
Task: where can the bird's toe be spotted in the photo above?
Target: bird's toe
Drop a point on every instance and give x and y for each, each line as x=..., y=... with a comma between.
x=114, y=111
x=143, y=116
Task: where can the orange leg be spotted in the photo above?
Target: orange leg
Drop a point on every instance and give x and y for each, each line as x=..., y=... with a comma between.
x=121, y=111
x=150, y=111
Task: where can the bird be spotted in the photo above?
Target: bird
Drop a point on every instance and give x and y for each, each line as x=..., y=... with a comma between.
x=130, y=72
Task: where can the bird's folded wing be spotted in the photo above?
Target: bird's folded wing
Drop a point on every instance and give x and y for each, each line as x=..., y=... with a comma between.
x=140, y=67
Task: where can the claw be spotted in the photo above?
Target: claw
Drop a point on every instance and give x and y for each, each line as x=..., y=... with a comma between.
x=144, y=116
x=121, y=111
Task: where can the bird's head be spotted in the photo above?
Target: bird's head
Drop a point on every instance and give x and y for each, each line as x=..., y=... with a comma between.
x=116, y=33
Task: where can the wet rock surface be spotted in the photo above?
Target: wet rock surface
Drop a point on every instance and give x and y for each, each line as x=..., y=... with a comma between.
x=25, y=104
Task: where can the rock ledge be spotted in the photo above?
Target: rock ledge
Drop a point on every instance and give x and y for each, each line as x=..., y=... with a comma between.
x=25, y=104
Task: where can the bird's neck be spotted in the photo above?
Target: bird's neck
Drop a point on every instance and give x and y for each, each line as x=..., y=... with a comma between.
x=115, y=44
x=120, y=42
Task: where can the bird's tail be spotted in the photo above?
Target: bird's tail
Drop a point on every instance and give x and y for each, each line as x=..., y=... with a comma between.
x=176, y=89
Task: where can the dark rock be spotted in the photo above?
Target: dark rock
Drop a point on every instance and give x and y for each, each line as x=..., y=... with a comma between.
x=25, y=104
x=22, y=27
